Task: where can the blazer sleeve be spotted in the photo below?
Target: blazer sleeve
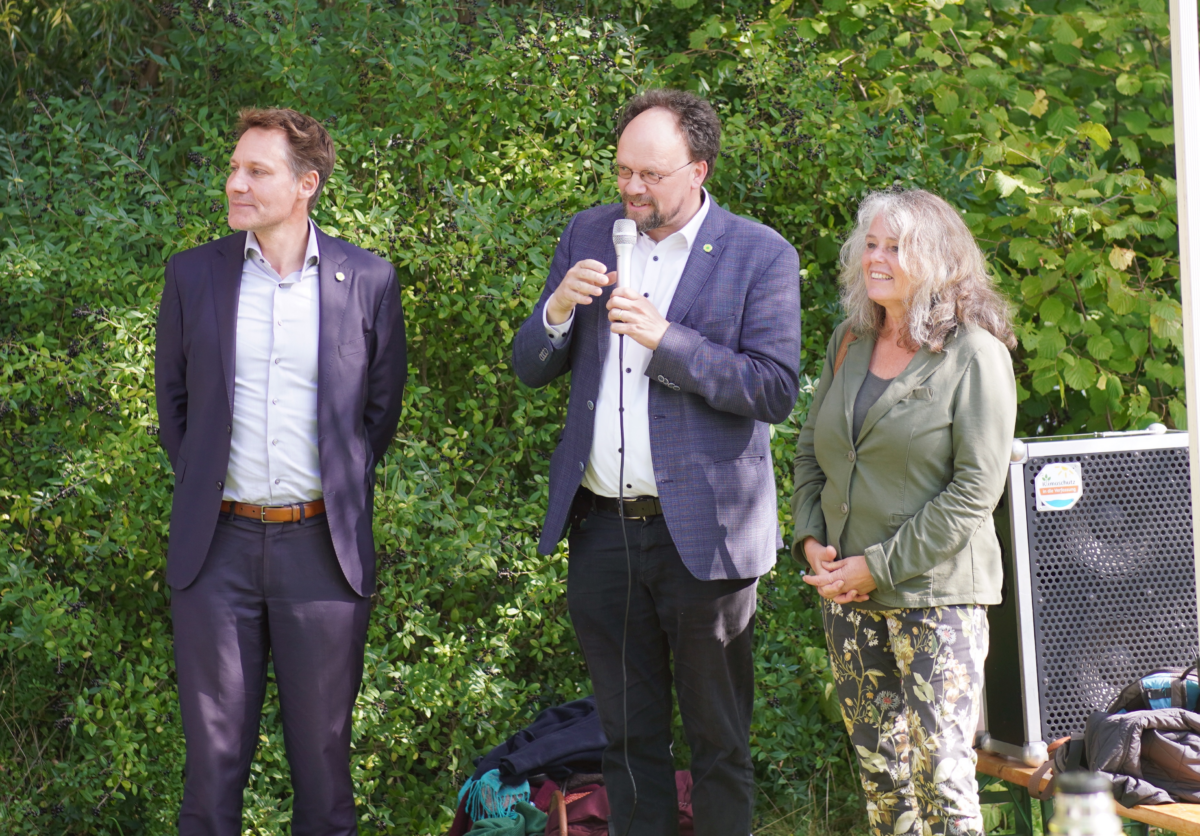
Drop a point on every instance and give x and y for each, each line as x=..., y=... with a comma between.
x=170, y=369
x=808, y=478
x=535, y=359
x=985, y=413
x=760, y=379
x=387, y=372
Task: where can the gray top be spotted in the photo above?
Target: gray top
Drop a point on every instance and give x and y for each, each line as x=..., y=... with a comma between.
x=868, y=393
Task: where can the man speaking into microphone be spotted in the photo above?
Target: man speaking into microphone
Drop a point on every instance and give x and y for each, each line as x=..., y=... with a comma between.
x=664, y=474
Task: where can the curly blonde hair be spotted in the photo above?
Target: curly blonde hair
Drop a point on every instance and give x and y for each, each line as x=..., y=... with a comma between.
x=950, y=281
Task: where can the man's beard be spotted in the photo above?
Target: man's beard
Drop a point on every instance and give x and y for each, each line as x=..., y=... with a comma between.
x=647, y=222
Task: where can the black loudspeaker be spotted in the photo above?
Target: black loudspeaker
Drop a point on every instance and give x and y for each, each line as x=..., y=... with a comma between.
x=1099, y=582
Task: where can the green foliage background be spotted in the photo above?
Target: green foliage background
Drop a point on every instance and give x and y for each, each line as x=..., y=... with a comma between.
x=467, y=137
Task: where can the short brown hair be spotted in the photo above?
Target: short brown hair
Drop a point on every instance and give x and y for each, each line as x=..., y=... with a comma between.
x=698, y=122
x=309, y=145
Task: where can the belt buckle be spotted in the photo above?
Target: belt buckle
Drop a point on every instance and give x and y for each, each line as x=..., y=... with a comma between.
x=262, y=514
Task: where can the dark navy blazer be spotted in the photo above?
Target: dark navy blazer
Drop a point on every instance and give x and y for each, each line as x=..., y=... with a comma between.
x=360, y=384
x=727, y=367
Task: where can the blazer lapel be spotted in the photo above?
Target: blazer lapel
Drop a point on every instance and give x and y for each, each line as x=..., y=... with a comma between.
x=853, y=373
x=922, y=365
x=333, y=293
x=226, y=286
x=706, y=251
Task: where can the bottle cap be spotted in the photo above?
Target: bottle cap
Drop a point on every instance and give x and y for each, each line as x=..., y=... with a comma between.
x=1083, y=783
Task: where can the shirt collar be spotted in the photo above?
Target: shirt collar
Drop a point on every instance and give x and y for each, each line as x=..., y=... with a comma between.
x=312, y=255
x=692, y=228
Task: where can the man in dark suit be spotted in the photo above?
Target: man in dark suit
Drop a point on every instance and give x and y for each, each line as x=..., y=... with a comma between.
x=710, y=317
x=279, y=371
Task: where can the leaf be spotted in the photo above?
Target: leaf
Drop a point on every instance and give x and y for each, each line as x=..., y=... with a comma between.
x=683, y=4
x=779, y=8
x=923, y=689
x=1052, y=309
x=1164, y=135
x=946, y=101
x=1097, y=133
x=945, y=769
x=1128, y=84
x=1076, y=260
x=1120, y=258
x=1120, y=298
x=1081, y=375
x=871, y=761
x=1007, y=184
x=1100, y=347
x=1129, y=149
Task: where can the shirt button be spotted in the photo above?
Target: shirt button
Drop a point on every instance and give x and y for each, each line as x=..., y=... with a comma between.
x=276, y=361
x=850, y=456
x=276, y=481
x=274, y=400
x=279, y=322
x=591, y=405
x=845, y=508
x=274, y=441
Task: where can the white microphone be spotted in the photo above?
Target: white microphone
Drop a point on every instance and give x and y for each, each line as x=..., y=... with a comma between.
x=624, y=237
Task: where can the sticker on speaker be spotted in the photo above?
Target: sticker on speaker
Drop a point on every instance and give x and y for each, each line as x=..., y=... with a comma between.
x=1058, y=486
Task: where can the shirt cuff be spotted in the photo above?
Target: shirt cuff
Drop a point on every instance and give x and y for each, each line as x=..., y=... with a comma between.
x=558, y=333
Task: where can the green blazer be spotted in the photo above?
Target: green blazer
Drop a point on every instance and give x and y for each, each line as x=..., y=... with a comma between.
x=915, y=494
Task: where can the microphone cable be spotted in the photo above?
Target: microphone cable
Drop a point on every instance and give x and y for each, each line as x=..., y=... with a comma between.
x=628, y=573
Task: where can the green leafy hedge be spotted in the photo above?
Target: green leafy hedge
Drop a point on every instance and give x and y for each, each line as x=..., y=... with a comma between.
x=466, y=138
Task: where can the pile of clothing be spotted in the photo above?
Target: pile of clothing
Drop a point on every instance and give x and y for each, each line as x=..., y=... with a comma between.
x=545, y=781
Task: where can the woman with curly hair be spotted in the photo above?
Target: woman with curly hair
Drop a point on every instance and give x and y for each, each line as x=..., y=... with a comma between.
x=898, y=468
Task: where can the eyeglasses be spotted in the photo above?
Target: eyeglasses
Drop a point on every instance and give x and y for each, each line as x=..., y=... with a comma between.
x=650, y=178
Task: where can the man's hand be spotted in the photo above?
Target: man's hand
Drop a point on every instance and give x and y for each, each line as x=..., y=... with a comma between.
x=634, y=315
x=583, y=281
x=842, y=581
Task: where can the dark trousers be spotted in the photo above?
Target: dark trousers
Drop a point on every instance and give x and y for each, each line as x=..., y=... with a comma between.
x=706, y=629
x=268, y=590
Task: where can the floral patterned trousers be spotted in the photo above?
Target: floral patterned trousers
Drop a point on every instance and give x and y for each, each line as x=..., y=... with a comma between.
x=909, y=683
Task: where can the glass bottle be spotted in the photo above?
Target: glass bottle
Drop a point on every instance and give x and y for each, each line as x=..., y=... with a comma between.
x=1083, y=806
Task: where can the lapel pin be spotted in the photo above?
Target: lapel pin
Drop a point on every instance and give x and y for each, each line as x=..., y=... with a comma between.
x=708, y=248
x=340, y=276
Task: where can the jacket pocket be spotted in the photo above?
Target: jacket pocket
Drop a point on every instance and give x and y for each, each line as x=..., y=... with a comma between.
x=921, y=393
x=898, y=520
x=740, y=461
x=353, y=347
x=180, y=468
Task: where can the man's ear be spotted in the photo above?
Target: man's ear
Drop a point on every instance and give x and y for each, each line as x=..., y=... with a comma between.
x=701, y=172
x=309, y=181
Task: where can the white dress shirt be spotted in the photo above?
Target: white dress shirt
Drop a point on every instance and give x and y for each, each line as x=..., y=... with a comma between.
x=657, y=269
x=273, y=456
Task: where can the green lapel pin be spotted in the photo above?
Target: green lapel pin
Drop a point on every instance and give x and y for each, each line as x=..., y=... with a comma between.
x=708, y=248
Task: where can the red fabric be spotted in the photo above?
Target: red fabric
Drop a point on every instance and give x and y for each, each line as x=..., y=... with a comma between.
x=543, y=794
x=587, y=815
x=462, y=822
x=683, y=788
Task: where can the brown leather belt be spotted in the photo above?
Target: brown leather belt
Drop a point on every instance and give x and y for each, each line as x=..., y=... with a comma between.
x=635, y=508
x=296, y=512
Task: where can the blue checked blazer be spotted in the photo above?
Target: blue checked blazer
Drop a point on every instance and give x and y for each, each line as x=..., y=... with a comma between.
x=727, y=367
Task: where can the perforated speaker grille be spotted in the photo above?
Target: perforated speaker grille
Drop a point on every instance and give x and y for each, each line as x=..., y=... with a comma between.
x=1114, y=583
